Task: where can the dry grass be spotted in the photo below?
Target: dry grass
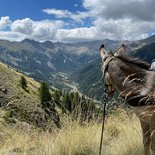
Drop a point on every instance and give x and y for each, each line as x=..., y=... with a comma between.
x=122, y=137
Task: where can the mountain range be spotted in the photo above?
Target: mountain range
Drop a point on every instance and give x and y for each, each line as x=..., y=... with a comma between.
x=69, y=66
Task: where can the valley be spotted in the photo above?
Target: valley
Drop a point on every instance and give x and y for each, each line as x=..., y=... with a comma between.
x=68, y=66
x=62, y=80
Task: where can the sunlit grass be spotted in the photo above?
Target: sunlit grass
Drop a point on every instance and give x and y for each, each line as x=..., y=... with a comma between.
x=122, y=136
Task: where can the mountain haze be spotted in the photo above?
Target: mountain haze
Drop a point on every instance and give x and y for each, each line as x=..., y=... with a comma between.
x=63, y=64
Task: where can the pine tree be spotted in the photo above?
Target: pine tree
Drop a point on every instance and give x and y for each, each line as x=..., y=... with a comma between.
x=75, y=100
x=67, y=102
x=47, y=104
x=23, y=82
x=44, y=93
x=57, y=96
x=71, y=96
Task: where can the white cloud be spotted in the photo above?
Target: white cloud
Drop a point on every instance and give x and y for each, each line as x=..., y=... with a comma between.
x=127, y=20
x=24, y=26
x=78, y=16
x=38, y=30
x=12, y=36
x=110, y=9
x=124, y=20
x=44, y=30
x=123, y=29
x=58, y=13
x=77, y=34
x=4, y=22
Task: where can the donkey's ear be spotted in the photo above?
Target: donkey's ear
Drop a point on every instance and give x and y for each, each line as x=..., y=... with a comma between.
x=103, y=52
x=120, y=51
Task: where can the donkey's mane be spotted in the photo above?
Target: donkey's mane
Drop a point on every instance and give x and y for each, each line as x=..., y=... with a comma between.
x=136, y=61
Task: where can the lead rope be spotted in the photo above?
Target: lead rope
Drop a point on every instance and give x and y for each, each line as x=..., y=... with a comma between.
x=105, y=101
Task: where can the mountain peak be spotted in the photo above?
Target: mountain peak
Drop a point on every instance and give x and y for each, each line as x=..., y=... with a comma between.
x=48, y=44
x=29, y=41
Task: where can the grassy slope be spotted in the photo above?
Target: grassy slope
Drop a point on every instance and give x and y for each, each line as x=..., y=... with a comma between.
x=19, y=105
x=122, y=136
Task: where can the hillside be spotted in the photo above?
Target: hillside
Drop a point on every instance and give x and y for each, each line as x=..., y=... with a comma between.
x=16, y=104
x=146, y=53
x=89, y=78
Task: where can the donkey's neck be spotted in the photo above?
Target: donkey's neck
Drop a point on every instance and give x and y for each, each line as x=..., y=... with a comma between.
x=119, y=72
x=133, y=83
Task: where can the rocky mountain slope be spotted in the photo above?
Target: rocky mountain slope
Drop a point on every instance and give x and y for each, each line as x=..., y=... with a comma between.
x=147, y=52
x=47, y=60
x=62, y=64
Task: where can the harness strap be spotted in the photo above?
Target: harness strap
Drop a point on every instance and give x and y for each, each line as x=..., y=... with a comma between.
x=105, y=100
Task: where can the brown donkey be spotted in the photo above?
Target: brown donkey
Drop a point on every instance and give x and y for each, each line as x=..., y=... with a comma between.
x=136, y=84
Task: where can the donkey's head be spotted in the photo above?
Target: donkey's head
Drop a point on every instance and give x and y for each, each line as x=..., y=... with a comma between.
x=107, y=57
x=120, y=72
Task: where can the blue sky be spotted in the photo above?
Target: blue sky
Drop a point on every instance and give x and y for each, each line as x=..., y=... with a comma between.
x=76, y=20
x=19, y=9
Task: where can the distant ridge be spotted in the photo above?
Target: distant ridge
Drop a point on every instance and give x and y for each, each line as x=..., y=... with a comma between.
x=50, y=61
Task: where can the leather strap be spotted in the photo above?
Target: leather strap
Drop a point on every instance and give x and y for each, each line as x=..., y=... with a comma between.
x=106, y=63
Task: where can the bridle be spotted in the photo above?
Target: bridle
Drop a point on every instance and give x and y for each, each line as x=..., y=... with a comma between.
x=104, y=68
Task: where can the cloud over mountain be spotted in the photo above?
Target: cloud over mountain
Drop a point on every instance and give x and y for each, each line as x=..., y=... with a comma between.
x=127, y=20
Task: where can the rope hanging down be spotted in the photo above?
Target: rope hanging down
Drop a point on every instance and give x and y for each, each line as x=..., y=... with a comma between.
x=105, y=101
